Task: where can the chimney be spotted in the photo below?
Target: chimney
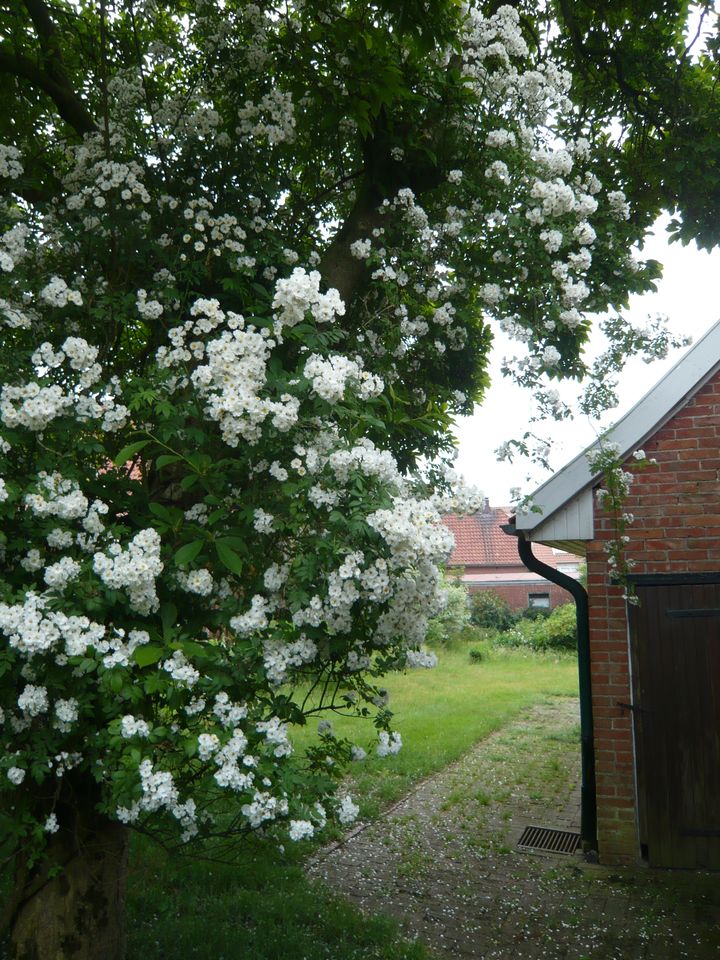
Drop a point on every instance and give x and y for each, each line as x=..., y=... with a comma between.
x=486, y=505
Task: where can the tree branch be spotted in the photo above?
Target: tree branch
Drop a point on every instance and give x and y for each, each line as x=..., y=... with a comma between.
x=51, y=77
x=69, y=105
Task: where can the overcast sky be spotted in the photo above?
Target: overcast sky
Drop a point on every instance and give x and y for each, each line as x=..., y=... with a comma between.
x=687, y=294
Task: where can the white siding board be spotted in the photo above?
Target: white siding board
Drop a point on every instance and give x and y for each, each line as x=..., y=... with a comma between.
x=574, y=521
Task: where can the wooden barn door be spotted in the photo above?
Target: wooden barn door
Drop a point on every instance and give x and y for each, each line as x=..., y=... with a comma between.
x=675, y=649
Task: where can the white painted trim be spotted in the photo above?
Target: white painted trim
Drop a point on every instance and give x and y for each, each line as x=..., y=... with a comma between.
x=668, y=396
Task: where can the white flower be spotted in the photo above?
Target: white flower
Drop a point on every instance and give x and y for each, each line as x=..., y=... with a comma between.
x=131, y=726
x=361, y=249
x=33, y=700
x=347, y=811
x=301, y=830
x=180, y=670
x=59, y=574
x=66, y=712
x=551, y=356
x=388, y=744
x=300, y=293
x=51, y=824
x=16, y=775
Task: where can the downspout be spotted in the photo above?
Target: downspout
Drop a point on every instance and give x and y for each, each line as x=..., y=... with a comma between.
x=588, y=799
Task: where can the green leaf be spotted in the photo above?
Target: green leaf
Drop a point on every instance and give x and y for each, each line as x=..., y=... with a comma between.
x=228, y=556
x=166, y=460
x=235, y=543
x=188, y=552
x=128, y=452
x=193, y=649
x=146, y=654
x=168, y=616
x=189, y=481
x=159, y=511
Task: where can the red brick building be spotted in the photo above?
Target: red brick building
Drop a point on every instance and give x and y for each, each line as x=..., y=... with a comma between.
x=654, y=668
x=484, y=558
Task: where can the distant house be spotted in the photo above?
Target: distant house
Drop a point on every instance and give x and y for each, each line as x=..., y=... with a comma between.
x=650, y=672
x=484, y=558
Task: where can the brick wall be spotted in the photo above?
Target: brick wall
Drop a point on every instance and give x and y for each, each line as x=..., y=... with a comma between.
x=516, y=594
x=676, y=506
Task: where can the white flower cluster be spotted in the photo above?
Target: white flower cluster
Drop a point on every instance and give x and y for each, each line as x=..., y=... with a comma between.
x=300, y=293
x=33, y=700
x=414, y=530
x=31, y=631
x=233, y=375
x=66, y=714
x=280, y=656
x=159, y=792
x=10, y=165
x=228, y=759
x=263, y=808
x=361, y=249
x=131, y=726
x=347, y=810
x=276, y=734
x=388, y=744
x=58, y=294
x=182, y=672
x=58, y=575
x=420, y=659
x=330, y=377
x=228, y=713
x=33, y=406
x=134, y=569
x=196, y=581
x=300, y=830
x=272, y=118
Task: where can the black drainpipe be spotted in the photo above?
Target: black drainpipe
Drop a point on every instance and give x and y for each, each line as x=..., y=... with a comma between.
x=588, y=799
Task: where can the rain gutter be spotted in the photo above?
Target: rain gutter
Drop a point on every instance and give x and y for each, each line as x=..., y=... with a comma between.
x=588, y=796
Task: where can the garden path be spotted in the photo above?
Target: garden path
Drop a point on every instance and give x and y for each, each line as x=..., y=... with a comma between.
x=444, y=863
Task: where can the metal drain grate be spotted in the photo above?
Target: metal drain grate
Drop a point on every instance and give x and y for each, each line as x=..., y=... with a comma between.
x=547, y=840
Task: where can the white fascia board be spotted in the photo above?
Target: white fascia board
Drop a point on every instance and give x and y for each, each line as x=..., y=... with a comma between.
x=668, y=396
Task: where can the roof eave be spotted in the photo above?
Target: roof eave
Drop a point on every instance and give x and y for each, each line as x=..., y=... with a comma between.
x=648, y=415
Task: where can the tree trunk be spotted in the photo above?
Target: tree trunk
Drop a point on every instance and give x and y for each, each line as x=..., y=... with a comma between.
x=71, y=906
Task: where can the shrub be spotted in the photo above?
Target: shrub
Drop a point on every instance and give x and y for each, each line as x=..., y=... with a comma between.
x=535, y=613
x=453, y=622
x=561, y=628
x=558, y=631
x=489, y=609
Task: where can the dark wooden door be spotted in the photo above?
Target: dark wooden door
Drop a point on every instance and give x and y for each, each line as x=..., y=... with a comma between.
x=675, y=647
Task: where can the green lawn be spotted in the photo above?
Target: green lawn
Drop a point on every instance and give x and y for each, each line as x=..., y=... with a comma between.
x=442, y=712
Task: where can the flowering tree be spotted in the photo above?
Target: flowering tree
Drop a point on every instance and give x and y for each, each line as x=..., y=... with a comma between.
x=250, y=258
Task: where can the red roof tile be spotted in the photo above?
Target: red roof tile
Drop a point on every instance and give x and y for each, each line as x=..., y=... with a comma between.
x=479, y=541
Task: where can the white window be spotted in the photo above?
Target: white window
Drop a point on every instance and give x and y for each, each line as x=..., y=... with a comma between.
x=539, y=600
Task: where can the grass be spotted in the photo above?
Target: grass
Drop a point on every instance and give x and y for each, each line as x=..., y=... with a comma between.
x=442, y=712
x=264, y=906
